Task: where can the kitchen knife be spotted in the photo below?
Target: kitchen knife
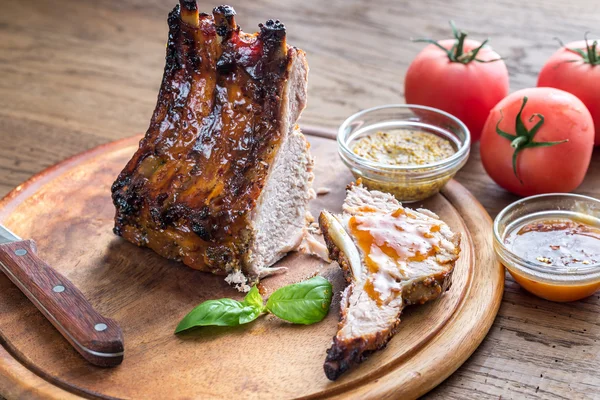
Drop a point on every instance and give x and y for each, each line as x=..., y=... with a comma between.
x=98, y=339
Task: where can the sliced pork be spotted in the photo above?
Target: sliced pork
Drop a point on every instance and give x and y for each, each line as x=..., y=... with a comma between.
x=222, y=178
x=392, y=257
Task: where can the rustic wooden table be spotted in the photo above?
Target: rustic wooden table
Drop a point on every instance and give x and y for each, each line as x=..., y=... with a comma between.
x=77, y=74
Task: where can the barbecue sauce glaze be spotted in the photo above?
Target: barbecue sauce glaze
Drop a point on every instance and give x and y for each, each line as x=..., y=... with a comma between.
x=188, y=191
x=390, y=242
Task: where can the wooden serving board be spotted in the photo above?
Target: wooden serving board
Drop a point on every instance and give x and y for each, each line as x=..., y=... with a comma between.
x=67, y=209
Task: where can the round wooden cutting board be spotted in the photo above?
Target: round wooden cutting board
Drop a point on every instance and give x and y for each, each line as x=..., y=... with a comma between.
x=68, y=211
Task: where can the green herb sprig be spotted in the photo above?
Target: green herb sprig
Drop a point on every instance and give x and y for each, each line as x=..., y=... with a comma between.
x=304, y=303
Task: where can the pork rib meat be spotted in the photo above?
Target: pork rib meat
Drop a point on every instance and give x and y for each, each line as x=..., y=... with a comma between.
x=222, y=178
x=392, y=257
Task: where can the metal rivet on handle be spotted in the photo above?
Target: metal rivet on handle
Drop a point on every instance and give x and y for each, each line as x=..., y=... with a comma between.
x=100, y=327
x=20, y=252
x=58, y=289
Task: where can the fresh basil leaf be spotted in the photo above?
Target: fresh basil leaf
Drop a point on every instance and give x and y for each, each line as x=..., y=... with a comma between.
x=249, y=314
x=302, y=303
x=222, y=312
x=254, y=299
x=253, y=306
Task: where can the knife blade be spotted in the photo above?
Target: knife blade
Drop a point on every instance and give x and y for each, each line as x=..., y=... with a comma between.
x=97, y=338
x=6, y=236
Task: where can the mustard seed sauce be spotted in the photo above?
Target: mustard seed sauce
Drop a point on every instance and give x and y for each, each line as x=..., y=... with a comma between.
x=556, y=243
x=404, y=147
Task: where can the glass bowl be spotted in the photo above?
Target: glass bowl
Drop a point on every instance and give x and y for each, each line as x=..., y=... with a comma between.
x=557, y=283
x=406, y=183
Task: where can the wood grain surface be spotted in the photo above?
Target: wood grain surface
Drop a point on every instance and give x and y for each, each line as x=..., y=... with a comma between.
x=76, y=74
x=148, y=295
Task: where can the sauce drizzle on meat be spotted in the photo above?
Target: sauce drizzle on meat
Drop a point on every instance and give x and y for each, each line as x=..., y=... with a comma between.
x=389, y=242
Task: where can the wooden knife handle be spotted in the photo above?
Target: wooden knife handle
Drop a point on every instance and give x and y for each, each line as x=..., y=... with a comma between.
x=98, y=339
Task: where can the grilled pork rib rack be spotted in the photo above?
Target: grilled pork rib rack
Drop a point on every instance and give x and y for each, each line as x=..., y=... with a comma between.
x=392, y=257
x=222, y=178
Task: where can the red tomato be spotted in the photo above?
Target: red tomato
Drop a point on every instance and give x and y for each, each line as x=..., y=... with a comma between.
x=575, y=74
x=467, y=91
x=552, y=158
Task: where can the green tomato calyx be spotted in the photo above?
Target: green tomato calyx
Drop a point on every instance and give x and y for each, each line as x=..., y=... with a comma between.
x=591, y=54
x=523, y=139
x=457, y=52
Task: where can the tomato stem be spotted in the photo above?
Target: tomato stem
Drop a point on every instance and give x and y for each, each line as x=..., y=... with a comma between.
x=518, y=142
x=457, y=52
x=523, y=137
x=591, y=55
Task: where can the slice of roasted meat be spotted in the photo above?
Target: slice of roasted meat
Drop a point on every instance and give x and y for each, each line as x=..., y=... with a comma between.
x=222, y=178
x=392, y=257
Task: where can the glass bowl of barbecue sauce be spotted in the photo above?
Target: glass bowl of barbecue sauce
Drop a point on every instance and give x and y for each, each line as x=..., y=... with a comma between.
x=550, y=244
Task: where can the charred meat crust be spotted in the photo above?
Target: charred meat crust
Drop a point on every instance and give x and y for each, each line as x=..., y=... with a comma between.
x=343, y=354
x=188, y=190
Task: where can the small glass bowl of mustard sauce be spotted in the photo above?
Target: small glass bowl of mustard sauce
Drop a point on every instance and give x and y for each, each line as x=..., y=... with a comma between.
x=410, y=151
x=550, y=244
